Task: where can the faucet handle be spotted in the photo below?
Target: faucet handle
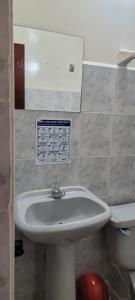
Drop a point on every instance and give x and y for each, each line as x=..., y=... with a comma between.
x=56, y=191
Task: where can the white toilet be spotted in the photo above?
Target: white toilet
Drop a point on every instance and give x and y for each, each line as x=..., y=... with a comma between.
x=120, y=236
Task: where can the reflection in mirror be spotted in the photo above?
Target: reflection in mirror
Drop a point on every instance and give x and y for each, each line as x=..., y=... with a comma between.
x=48, y=70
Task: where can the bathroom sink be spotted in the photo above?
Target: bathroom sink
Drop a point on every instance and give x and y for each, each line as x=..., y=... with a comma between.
x=58, y=223
x=78, y=214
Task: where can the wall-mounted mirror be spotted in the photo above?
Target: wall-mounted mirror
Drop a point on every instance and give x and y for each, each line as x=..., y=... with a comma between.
x=48, y=70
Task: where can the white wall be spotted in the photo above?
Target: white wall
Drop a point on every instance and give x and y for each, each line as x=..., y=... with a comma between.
x=105, y=25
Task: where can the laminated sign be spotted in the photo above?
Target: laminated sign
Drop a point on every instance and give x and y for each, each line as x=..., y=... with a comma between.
x=53, y=141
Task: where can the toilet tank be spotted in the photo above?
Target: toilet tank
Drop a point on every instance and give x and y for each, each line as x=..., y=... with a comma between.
x=120, y=236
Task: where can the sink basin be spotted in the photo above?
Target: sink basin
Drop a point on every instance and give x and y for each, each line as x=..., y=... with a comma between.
x=46, y=220
x=59, y=223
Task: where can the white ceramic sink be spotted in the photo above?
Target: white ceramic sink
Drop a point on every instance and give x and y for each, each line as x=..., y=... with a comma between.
x=46, y=220
x=59, y=223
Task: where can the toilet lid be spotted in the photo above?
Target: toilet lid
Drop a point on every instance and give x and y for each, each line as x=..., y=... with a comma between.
x=123, y=215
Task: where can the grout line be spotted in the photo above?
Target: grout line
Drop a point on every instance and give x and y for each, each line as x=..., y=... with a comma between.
x=97, y=112
x=109, y=171
x=108, y=113
x=79, y=149
x=24, y=159
x=95, y=156
x=92, y=112
x=81, y=157
x=106, y=156
x=33, y=159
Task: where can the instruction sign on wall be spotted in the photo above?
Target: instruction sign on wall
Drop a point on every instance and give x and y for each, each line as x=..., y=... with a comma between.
x=53, y=141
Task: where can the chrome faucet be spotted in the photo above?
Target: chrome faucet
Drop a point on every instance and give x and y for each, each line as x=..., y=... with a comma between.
x=56, y=192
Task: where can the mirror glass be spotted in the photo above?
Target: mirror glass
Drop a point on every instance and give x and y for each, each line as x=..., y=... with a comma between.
x=48, y=70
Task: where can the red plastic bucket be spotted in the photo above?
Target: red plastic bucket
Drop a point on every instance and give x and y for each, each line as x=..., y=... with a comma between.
x=92, y=287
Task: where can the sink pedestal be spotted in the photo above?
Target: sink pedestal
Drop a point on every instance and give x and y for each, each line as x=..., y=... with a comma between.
x=60, y=276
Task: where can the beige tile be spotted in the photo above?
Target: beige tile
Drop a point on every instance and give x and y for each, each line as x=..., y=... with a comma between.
x=97, y=88
x=65, y=174
x=122, y=180
x=123, y=142
x=96, y=132
x=125, y=91
x=28, y=176
x=94, y=175
x=28, y=270
x=88, y=258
